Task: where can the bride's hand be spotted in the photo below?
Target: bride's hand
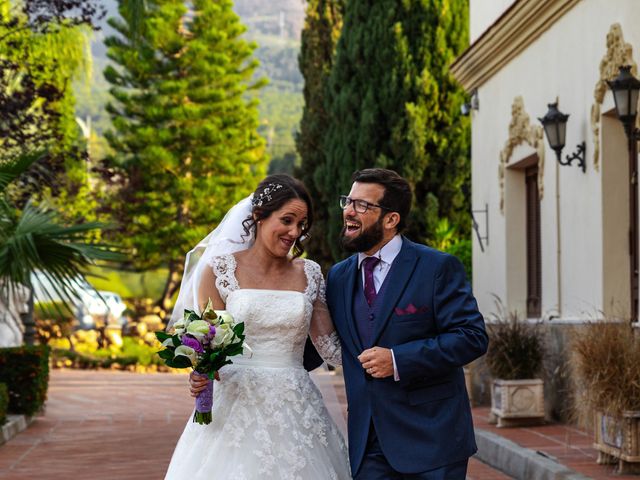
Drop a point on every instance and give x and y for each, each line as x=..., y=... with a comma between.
x=198, y=382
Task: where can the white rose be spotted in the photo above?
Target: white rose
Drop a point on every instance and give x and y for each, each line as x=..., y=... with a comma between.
x=224, y=336
x=198, y=328
x=188, y=352
x=225, y=317
x=179, y=326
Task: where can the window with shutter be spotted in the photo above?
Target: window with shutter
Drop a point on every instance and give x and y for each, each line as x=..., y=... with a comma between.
x=534, y=254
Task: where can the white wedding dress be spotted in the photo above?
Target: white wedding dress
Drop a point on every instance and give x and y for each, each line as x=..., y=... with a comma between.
x=269, y=419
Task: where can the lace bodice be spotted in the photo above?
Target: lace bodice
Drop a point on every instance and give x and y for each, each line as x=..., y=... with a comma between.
x=277, y=322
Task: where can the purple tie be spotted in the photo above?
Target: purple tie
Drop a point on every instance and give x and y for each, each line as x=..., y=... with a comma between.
x=369, y=287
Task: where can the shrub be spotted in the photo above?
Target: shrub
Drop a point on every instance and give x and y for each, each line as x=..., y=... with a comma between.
x=607, y=359
x=516, y=348
x=91, y=362
x=53, y=321
x=4, y=402
x=25, y=370
x=133, y=352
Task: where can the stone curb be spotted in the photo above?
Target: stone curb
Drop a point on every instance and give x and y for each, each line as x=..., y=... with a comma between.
x=13, y=426
x=519, y=462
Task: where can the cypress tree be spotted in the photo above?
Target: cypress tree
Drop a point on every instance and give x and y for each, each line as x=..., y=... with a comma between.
x=319, y=38
x=393, y=103
x=185, y=128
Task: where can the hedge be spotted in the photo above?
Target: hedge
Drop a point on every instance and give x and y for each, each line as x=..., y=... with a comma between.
x=25, y=370
x=4, y=402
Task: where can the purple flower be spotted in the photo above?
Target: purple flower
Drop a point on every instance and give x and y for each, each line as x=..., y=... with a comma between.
x=212, y=331
x=192, y=342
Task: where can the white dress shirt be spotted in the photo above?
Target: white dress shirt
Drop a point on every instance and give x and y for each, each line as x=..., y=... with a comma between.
x=387, y=254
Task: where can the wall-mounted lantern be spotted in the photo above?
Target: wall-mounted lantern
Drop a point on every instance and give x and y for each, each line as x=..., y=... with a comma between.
x=555, y=129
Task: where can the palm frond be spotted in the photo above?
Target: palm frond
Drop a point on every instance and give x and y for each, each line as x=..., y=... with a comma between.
x=13, y=168
x=35, y=242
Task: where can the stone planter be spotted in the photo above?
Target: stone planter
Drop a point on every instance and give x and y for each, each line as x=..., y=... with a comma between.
x=516, y=403
x=617, y=440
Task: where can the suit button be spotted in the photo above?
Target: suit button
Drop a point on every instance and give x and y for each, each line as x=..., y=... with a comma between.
x=371, y=316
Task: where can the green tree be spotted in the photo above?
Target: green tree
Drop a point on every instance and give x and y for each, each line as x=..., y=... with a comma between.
x=185, y=128
x=446, y=238
x=393, y=103
x=319, y=38
x=43, y=51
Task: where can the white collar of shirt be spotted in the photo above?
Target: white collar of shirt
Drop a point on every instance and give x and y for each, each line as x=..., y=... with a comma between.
x=387, y=253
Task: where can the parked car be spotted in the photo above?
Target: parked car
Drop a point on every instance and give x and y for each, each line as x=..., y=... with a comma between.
x=90, y=305
x=103, y=305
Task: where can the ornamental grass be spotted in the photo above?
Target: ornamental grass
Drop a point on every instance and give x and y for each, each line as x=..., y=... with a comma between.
x=516, y=347
x=607, y=366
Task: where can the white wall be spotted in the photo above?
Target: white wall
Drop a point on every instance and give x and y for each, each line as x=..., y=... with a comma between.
x=11, y=327
x=483, y=13
x=562, y=63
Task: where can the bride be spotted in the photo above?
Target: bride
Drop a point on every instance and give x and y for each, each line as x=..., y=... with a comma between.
x=269, y=419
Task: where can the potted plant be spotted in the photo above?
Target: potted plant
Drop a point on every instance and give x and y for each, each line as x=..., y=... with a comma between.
x=607, y=364
x=515, y=360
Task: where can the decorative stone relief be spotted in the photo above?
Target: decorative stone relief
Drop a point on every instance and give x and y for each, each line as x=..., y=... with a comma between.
x=521, y=130
x=618, y=53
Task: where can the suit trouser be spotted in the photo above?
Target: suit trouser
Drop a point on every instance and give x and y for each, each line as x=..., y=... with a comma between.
x=375, y=466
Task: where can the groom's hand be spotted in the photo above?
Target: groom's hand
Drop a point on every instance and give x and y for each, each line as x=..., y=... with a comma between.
x=377, y=362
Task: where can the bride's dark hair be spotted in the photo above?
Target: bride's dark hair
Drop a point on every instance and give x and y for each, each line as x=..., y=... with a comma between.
x=272, y=193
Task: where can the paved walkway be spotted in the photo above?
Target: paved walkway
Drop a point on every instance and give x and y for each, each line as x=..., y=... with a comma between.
x=565, y=444
x=123, y=426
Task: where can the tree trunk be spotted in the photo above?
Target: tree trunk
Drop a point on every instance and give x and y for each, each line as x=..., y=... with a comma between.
x=28, y=321
x=171, y=286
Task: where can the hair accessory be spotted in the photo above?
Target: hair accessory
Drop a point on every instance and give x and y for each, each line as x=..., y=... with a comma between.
x=265, y=195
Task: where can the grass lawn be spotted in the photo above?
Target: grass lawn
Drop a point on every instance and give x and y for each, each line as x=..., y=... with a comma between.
x=129, y=284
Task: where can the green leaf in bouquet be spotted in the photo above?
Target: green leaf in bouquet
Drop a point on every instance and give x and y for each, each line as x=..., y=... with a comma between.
x=176, y=341
x=166, y=354
x=238, y=329
x=234, y=349
x=220, y=362
x=162, y=336
x=214, y=355
x=193, y=316
x=203, y=364
x=179, y=362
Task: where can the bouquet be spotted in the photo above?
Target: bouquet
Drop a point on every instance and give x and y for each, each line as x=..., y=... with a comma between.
x=203, y=343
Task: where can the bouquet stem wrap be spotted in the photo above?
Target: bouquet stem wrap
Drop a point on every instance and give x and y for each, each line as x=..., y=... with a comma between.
x=204, y=404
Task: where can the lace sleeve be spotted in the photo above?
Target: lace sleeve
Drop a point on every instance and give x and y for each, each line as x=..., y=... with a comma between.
x=224, y=270
x=322, y=332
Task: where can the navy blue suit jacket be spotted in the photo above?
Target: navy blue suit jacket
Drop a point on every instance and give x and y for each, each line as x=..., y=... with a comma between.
x=431, y=321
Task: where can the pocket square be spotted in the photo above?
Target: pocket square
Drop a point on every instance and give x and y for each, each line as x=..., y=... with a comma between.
x=410, y=309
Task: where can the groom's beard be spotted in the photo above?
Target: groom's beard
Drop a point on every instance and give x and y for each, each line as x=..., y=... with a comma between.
x=364, y=242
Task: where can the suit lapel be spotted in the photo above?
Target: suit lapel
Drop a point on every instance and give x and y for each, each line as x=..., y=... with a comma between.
x=348, y=284
x=397, y=279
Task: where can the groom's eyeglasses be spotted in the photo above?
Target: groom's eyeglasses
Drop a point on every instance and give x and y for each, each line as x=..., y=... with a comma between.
x=360, y=206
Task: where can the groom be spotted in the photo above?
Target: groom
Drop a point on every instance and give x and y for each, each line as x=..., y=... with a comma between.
x=408, y=322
